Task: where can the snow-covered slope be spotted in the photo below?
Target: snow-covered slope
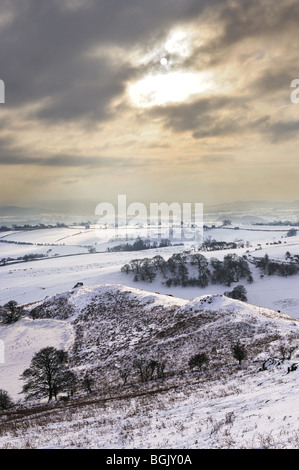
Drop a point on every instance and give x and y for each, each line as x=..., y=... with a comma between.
x=114, y=324
x=22, y=340
x=106, y=327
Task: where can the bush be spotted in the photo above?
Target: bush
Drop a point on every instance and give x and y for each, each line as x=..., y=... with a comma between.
x=198, y=360
x=10, y=312
x=5, y=400
x=239, y=351
x=238, y=293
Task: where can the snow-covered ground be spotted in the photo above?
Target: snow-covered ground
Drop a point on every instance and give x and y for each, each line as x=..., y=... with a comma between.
x=229, y=407
x=22, y=340
x=240, y=409
x=34, y=280
x=246, y=412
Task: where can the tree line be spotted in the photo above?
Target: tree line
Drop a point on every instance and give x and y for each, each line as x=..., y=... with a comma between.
x=16, y=227
x=140, y=245
x=195, y=270
x=280, y=268
x=190, y=270
x=49, y=375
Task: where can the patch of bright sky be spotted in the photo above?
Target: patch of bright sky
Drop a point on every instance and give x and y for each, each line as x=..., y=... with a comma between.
x=162, y=84
x=173, y=87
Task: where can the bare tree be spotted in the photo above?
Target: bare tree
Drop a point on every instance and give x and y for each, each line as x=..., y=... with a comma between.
x=47, y=375
x=125, y=373
x=88, y=382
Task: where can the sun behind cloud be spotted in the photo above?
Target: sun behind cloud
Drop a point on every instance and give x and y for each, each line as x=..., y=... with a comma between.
x=166, y=79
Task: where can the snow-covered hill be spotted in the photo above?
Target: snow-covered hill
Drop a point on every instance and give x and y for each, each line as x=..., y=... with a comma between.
x=115, y=324
x=106, y=327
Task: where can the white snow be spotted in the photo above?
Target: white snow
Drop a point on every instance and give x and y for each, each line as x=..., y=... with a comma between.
x=22, y=340
x=239, y=408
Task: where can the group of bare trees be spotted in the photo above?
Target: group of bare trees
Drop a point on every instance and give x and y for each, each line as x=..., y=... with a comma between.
x=139, y=245
x=146, y=369
x=280, y=268
x=152, y=369
x=191, y=269
x=49, y=376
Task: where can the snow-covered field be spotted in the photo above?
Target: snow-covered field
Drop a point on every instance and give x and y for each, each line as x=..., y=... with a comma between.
x=34, y=280
x=231, y=408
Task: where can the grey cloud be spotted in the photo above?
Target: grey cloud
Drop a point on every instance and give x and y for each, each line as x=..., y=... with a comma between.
x=283, y=130
x=206, y=158
x=217, y=158
x=202, y=117
x=273, y=80
x=221, y=117
x=264, y=22
x=70, y=181
x=44, y=51
x=45, y=57
x=243, y=19
x=11, y=154
x=67, y=161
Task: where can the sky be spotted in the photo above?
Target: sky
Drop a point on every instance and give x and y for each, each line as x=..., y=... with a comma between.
x=161, y=101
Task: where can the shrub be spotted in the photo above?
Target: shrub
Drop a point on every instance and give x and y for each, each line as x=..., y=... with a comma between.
x=5, y=400
x=10, y=312
x=198, y=360
x=239, y=351
x=239, y=293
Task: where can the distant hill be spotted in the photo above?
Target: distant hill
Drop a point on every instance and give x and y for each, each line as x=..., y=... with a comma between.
x=15, y=211
x=245, y=219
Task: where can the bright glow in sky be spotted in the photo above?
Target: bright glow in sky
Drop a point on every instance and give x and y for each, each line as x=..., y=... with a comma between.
x=172, y=87
x=179, y=42
x=173, y=83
